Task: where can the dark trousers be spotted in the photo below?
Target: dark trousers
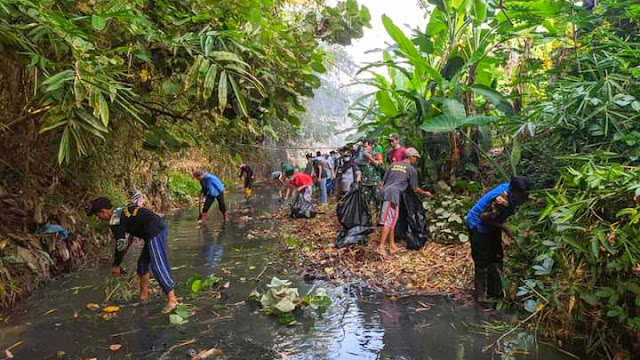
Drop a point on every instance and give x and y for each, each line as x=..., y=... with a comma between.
x=248, y=182
x=154, y=256
x=487, y=254
x=209, y=201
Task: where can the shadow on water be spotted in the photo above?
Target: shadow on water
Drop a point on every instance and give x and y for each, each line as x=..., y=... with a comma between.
x=358, y=325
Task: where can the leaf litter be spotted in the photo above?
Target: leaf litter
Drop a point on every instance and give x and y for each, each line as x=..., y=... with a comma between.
x=437, y=269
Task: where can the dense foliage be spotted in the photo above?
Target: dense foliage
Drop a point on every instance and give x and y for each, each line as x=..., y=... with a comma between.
x=552, y=88
x=179, y=69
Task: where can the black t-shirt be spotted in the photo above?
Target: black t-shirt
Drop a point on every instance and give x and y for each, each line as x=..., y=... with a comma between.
x=399, y=177
x=136, y=221
x=247, y=171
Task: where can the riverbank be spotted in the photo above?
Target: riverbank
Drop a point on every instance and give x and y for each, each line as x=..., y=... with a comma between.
x=436, y=269
x=60, y=321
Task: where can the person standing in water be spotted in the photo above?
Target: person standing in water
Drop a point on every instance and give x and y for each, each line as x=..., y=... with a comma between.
x=247, y=172
x=212, y=190
x=147, y=225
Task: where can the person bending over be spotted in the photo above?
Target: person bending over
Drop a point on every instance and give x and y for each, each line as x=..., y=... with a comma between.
x=486, y=221
x=212, y=190
x=147, y=225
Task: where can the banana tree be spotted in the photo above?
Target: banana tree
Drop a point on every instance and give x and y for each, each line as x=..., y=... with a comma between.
x=451, y=61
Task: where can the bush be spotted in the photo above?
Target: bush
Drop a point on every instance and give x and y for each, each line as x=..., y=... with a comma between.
x=445, y=214
x=184, y=186
x=579, y=260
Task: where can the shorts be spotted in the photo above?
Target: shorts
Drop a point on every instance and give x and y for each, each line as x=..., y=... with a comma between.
x=389, y=215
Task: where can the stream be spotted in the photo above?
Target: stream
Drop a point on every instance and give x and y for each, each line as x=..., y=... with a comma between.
x=54, y=323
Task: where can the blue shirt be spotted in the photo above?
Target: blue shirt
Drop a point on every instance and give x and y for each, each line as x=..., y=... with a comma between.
x=473, y=217
x=211, y=185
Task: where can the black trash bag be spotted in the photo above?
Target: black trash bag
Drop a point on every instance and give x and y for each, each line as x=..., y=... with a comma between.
x=353, y=209
x=412, y=224
x=302, y=207
x=354, y=236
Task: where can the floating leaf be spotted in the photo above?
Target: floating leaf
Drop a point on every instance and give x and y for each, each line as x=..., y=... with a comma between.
x=177, y=319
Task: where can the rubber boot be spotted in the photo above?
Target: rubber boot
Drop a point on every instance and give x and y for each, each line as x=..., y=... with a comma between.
x=203, y=218
x=224, y=216
x=494, y=282
x=481, y=275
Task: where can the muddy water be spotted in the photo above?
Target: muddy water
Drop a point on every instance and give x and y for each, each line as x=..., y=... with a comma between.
x=358, y=325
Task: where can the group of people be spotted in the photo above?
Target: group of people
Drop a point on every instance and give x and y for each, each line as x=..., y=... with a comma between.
x=386, y=178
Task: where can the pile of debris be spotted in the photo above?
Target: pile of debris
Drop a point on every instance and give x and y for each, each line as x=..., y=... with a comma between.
x=38, y=242
x=436, y=269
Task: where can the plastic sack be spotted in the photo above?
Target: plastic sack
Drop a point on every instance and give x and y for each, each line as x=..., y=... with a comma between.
x=354, y=236
x=412, y=223
x=353, y=209
x=302, y=206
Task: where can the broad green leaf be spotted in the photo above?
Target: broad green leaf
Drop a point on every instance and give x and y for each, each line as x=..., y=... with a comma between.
x=208, y=45
x=222, y=91
x=98, y=22
x=170, y=88
x=239, y=96
x=63, y=148
x=202, y=74
x=386, y=104
x=90, y=120
x=445, y=123
x=210, y=82
x=52, y=121
x=226, y=56
x=479, y=11
x=437, y=23
x=400, y=38
x=196, y=286
x=104, y=110
x=365, y=15
x=79, y=90
x=410, y=50
x=58, y=80
x=90, y=129
x=495, y=97
x=193, y=72
x=177, y=319
x=454, y=108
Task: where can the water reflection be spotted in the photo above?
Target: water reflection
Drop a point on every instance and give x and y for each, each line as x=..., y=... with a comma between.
x=212, y=244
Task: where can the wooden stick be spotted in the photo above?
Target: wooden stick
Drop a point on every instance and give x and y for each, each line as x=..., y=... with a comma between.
x=184, y=343
x=262, y=272
x=125, y=333
x=14, y=346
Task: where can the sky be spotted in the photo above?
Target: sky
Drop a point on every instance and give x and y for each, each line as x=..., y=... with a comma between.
x=400, y=11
